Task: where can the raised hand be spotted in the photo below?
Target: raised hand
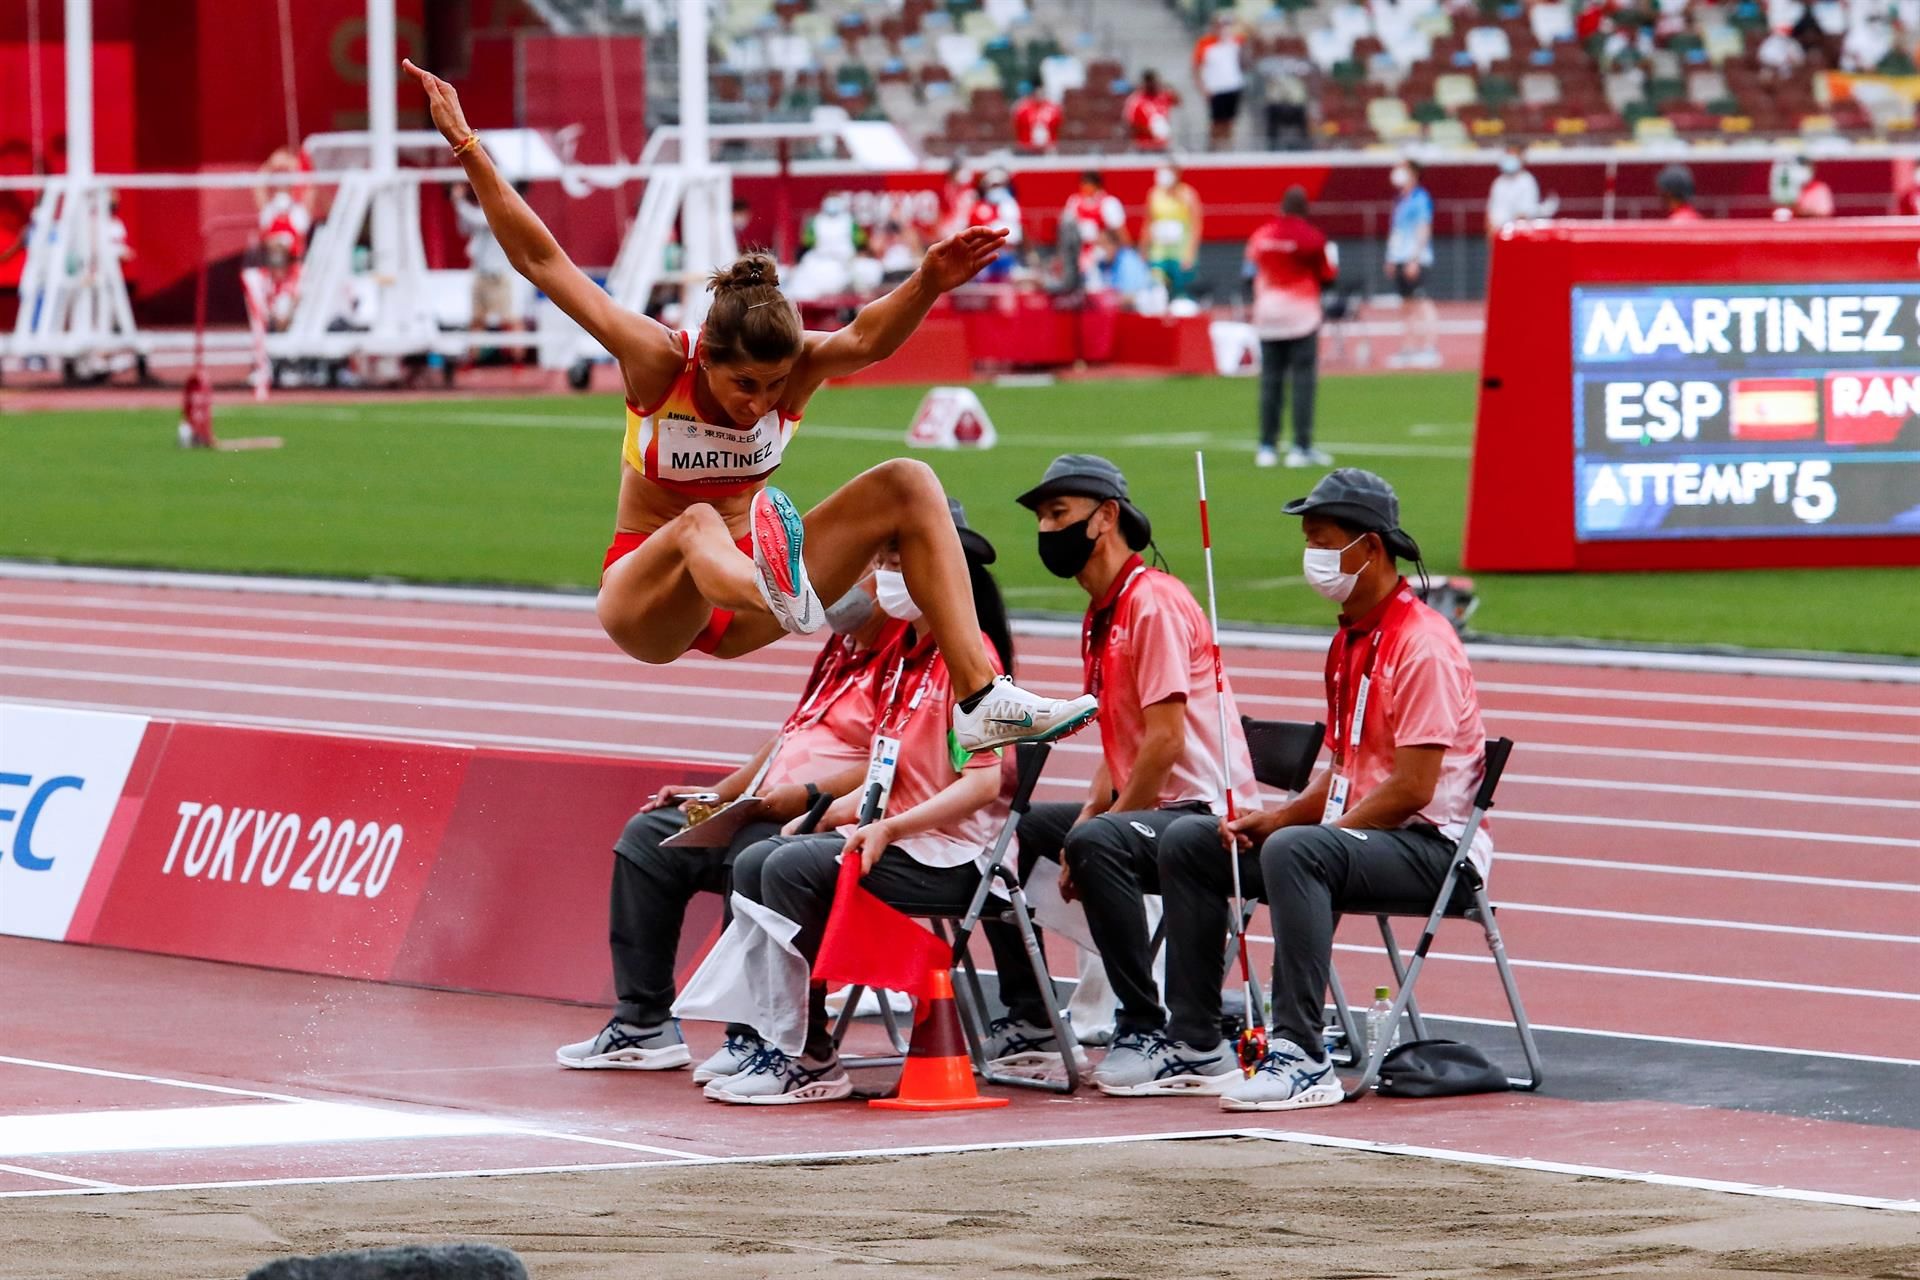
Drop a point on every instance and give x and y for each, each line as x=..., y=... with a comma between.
x=960, y=257
x=442, y=102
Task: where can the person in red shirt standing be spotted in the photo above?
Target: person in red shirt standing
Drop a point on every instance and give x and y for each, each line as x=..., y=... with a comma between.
x=1675, y=185
x=1149, y=113
x=1380, y=824
x=1036, y=122
x=1147, y=647
x=1290, y=260
x=1088, y=212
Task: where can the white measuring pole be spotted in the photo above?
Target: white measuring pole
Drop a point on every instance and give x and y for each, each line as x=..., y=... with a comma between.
x=694, y=150
x=79, y=49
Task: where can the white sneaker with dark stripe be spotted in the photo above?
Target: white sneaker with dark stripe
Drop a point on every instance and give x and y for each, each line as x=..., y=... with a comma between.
x=1007, y=714
x=1286, y=1080
x=730, y=1059
x=1147, y=1064
x=621, y=1046
x=774, y=1078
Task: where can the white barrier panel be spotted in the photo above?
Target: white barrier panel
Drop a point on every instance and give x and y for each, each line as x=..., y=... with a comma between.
x=1236, y=348
x=61, y=775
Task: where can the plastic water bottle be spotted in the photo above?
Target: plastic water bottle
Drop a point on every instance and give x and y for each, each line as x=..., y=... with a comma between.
x=1382, y=1027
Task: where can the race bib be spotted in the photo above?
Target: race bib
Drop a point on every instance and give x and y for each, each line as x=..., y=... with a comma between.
x=1336, y=799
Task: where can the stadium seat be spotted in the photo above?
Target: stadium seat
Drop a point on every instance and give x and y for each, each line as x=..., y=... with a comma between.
x=1449, y=133
x=1539, y=89
x=1389, y=118
x=1488, y=45
x=1462, y=896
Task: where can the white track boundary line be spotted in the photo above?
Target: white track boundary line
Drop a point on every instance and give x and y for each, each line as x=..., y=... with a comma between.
x=1700, y=922
x=1737, y=664
x=1690, y=1042
x=1327, y=1141
x=1712, y=873
x=71, y=1181
x=142, y=1078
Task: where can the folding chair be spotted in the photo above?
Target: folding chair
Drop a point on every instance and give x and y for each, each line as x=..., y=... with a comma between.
x=1450, y=903
x=1030, y=758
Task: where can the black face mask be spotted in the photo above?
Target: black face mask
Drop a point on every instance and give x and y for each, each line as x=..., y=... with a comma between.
x=1065, y=551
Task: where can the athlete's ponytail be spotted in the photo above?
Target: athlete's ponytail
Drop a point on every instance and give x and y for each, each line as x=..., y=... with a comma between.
x=751, y=321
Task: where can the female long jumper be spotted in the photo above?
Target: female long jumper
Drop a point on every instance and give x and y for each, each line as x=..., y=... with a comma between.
x=706, y=555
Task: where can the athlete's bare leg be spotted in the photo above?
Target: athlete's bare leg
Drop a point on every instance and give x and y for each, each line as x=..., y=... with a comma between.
x=655, y=600
x=898, y=504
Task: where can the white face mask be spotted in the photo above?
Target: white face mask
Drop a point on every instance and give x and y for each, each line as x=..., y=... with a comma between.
x=1401, y=179
x=1164, y=177
x=1509, y=164
x=1321, y=565
x=890, y=593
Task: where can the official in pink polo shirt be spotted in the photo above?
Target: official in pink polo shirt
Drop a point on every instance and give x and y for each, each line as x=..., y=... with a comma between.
x=1147, y=648
x=1378, y=825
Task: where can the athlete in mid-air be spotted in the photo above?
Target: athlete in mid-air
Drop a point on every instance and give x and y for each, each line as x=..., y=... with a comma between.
x=706, y=555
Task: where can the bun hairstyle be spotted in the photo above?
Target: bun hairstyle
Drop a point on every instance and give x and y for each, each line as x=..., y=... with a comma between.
x=751, y=321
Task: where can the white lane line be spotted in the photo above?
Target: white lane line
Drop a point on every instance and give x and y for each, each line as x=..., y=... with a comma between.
x=1444, y=1154
x=1688, y=1041
x=1785, y=764
x=640, y=689
x=1712, y=873
x=1709, y=828
x=1837, y=668
x=431, y=736
x=141, y=1078
x=258, y=1124
x=1661, y=975
x=67, y=1179
x=1702, y=922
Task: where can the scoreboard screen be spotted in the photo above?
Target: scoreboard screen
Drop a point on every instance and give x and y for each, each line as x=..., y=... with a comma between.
x=1746, y=411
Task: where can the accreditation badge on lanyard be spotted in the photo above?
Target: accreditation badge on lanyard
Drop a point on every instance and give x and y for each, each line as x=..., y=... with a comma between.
x=1347, y=728
x=884, y=760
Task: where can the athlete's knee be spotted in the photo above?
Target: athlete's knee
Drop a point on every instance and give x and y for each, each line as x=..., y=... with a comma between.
x=748, y=868
x=1095, y=840
x=1292, y=855
x=1190, y=848
x=909, y=481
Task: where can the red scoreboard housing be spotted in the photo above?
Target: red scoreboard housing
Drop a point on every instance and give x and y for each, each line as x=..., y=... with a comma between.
x=1704, y=395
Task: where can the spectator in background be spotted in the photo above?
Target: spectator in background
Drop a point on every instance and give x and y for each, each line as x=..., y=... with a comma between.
x=1283, y=93
x=492, y=288
x=1119, y=269
x=1088, y=212
x=1780, y=55
x=1815, y=198
x=1675, y=185
x=1868, y=42
x=898, y=247
x=1173, y=230
x=1515, y=194
x=1036, y=122
x=956, y=200
x=1149, y=113
x=1290, y=260
x=1409, y=259
x=742, y=221
x=832, y=240
x=996, y=207
x=1219, y=72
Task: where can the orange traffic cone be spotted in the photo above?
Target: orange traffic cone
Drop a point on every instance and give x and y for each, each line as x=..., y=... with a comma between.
x=939, y=1074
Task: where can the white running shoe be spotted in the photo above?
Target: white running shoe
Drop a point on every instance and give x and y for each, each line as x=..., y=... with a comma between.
x=780, y=570
x=1319, y=458
x=733, y=1057
x=1285, y=1080
x=775, y=1079
x=1009, y=714
x=621, y=1046
x=1297, y=458
x=1147, y=1064
x=1266, y=456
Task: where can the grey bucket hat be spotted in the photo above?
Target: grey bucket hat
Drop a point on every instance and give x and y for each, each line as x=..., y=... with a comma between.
x=972, y=541
x=1363, y=500
x=1088, y=475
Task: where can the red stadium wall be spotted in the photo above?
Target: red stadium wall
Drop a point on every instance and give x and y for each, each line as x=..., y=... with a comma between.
x=472, y=869
x=1522, y=500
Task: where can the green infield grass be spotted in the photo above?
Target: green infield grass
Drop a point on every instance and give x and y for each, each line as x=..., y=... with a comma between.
x=521, y=492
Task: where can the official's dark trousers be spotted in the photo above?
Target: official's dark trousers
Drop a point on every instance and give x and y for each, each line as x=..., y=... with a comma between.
x=1284, y=360
x=1115, y=861
x=1308, y=875
x=797, y=875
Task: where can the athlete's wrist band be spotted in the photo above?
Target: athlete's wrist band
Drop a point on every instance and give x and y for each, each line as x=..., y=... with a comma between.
x=472, y=140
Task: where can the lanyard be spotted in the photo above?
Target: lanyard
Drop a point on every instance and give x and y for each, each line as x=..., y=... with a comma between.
x=1347, y=726
x=1099, y=624
x=886, y=726
x=839, y=671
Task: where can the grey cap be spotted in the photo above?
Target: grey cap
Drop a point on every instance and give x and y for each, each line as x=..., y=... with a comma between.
x=1088, y=475
x=1363, y=500
x=972, y=541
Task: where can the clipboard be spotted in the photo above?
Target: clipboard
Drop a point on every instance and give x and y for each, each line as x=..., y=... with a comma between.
x=718, y=831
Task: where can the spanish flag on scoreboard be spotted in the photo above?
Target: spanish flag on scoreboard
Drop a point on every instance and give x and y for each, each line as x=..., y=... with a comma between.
x=1774, y=409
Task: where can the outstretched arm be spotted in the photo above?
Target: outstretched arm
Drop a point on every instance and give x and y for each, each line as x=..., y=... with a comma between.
x=884, y=324
x=647, y=351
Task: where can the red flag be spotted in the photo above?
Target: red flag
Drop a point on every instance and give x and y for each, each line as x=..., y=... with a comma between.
x=870, y=944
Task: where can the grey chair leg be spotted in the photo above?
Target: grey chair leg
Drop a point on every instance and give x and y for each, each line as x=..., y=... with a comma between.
x=1400, y=977
x=1056, y=1014
x=1404, y=997
x=844, y=1023
x=1483, y=912
x=1349, y=1024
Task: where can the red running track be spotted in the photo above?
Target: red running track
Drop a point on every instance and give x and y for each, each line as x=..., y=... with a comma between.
x=1681, y=854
